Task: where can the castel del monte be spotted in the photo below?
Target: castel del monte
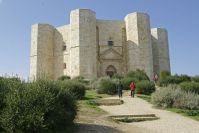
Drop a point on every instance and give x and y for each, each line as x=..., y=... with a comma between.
x=92, y=47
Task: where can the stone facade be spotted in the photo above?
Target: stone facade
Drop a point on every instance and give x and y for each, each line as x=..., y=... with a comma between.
x=93, y=48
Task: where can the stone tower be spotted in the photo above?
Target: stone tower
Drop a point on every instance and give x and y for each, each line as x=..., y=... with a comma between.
x=139, y=43
x=41, y=58
x=91, y=47
x=161, y=61
x=83, y=52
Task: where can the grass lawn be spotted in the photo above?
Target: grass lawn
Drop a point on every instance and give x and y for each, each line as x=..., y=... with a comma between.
x=88, y=111
x=88, y=107
x=194, y=114
x=87, y=101
x=145, y=97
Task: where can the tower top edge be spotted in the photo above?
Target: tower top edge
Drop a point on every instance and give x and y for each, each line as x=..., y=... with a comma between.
x=83, y=9
x=137, y=13
x=158, y=29
x=38, y=24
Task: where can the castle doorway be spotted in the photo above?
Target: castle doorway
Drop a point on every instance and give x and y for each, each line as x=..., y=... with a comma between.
x=110, y=70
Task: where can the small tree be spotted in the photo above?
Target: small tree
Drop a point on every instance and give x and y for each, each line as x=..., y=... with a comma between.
x=164, y=74
x=145, y=87
x=64, y=77
x=195, y=78
x=106, y=86
x=138, y=75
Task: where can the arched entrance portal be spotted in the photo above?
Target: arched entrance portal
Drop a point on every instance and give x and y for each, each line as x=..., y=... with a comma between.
x=110, y=71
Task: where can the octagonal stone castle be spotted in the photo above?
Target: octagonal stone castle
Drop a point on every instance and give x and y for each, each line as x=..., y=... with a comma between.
x=93, y=48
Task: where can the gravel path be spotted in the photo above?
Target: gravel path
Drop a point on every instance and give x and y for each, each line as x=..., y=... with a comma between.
x=169, y=122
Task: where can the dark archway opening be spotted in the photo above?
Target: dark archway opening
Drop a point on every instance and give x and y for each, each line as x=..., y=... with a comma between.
x=110, y=71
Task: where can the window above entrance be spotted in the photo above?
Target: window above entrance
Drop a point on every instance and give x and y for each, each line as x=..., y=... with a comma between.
x=110, y=43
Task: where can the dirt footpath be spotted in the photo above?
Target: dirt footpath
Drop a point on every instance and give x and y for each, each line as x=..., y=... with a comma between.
x=91, y=121
x=169, y=122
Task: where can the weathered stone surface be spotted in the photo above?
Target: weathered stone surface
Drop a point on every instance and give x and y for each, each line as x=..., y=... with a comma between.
x=160, y=48
x=42, y=45
x=139, y=43
x=90, y=47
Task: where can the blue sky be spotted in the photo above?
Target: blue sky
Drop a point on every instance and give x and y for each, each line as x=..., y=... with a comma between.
x=179, y=17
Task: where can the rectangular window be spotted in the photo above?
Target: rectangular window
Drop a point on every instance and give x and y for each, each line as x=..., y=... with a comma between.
x=64, y=48
x=110, y=43
x=64, y=65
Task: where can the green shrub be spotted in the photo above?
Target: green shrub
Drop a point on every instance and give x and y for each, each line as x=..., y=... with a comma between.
x=176, y=79
x=82, y=80
x=78, y=89
x=184, y=78
x=64, y=107
x=190, y=86
x=163, y=78
x=117, y=76
x=126, y=81
x=162, y=82
x=93, y=83
x=6, y=84
x=164, y=74
x=173, y=79
x=195, y=79
x=37, y=107
x=106, y=86
x=23, y=110
x=165, y=97
x=79, y=78
x=145, y=87
x=138, y=75
x=191, y=112
x=175, y=97
x=64, y=77
x=188, y=101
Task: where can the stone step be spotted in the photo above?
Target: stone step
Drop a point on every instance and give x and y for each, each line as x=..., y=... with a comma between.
x=134, y=118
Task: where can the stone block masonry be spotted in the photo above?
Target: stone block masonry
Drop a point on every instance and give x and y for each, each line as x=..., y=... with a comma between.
x=91, y=47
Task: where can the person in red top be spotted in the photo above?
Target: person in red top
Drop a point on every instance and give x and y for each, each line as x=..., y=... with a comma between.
x=132, y=88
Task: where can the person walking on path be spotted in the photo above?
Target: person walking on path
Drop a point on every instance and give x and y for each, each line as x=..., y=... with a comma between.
x=155, y=78
x=132, y=88
x=119, y=89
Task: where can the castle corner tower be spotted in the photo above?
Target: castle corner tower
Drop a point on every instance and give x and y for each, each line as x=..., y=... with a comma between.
x=139, y=43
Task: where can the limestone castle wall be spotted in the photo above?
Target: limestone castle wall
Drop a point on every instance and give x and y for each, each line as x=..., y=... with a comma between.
x=33, y=52
x=160, y=49
x=83, y=43
x=61, y=39
x=42, y=59
x=110, y=30
x=92, y=47
x=139, y=43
